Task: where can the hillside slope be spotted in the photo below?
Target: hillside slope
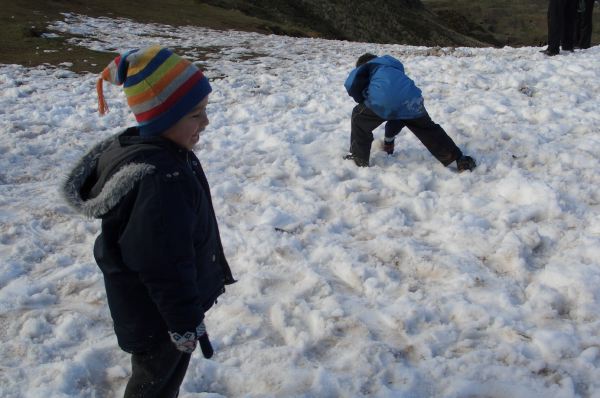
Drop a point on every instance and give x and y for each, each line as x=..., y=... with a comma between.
x=23, y=24
x=510, y=22
x=24, y=39
x=377, y=21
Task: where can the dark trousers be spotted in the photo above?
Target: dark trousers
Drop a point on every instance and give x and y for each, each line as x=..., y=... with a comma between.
x=583, y=31
x=157, y=373
x=432, y=135
x=561, y=24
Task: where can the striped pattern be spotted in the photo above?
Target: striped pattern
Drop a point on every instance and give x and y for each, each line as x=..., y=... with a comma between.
x=161, y=87
x=110, y=73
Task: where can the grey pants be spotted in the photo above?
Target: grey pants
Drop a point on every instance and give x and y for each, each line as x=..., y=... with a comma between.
x=432, y=135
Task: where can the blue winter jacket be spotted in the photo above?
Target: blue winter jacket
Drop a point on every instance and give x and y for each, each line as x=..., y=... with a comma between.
x=383, y=87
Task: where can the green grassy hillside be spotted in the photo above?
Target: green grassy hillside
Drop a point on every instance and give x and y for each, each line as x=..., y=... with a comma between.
x=23, y=24
x=417, y=22
x=507, y=22
x=376, y=21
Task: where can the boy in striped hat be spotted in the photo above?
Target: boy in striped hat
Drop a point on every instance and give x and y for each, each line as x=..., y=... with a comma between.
x=159, y=248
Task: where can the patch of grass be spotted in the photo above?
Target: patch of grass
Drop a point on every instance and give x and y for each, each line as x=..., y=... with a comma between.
x=510, y=22
x=23, y=24
x=22, y=41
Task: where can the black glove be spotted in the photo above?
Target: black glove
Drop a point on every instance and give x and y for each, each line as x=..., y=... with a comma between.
x=187, y=341
x=205, y=346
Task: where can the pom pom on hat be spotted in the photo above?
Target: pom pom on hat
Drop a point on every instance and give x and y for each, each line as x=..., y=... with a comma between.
x=161, y=87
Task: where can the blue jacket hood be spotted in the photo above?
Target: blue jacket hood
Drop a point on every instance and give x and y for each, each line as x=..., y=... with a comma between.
x=388, y=60
x=383, y=87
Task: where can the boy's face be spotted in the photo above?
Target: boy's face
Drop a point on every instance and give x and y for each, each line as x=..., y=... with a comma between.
x=186, y=132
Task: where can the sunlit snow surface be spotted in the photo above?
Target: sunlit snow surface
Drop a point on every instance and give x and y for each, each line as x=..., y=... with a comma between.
x=405, y=279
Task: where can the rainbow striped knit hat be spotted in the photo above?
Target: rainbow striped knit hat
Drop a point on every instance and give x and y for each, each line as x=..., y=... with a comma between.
x=161, y=87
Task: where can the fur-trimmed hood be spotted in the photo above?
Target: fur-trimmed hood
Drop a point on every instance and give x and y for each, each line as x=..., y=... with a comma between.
x=93, y=190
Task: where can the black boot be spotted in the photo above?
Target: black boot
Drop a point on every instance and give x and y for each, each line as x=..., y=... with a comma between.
x=549, y=52
x=358, y=161
x=388, y=147
x=465, y=163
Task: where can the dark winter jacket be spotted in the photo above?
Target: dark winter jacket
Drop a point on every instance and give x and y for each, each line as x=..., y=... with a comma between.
x=159, y=248
x=384, y=88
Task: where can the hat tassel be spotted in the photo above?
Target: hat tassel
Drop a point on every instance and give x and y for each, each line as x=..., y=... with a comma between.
x=102, y=105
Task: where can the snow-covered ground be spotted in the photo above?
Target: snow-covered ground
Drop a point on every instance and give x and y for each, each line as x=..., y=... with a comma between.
x=405, y=279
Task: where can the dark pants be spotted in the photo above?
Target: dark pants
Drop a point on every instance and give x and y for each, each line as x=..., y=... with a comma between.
x=583, y=31
x=432, y=135
x=561, y=24
x=157, y=373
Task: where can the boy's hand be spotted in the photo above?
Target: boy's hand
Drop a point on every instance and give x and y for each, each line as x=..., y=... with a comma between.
x=186, y=342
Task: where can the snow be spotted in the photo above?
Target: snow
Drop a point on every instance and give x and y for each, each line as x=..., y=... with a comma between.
x=405, y=279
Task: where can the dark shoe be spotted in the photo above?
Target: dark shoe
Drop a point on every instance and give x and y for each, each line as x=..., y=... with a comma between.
x=569, y=49
x=358, y=161
x=388, y=147
x=465, y=163
x=549, y=53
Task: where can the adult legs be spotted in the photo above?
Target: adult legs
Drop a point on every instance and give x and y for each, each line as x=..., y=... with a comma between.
x=578, y=28
x=585, y=26
x=157, y=373
x=435, y=139
x=555, y=25
x=364, y=121
x=568, y=31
